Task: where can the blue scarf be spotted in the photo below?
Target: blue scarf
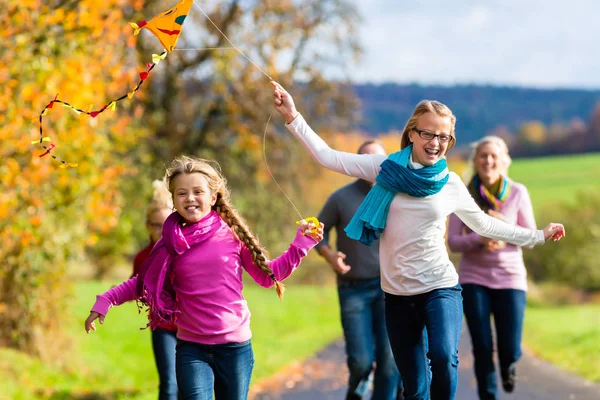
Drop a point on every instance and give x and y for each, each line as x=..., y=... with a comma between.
x=394, y=177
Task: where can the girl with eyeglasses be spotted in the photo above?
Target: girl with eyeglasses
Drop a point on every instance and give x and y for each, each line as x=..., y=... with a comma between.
x=407, y=210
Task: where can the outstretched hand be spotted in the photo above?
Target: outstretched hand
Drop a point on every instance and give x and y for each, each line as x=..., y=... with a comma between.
x=311, y=230
x=284, y=103
x=89, y=322
x=554, y=231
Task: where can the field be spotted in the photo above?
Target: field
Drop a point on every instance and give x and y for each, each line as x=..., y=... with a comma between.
x=566, y=336
x=557, y=179
x=116, y=361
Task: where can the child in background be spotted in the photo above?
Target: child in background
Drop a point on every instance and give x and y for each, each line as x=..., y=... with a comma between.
x=193, y=278
x=164, y=336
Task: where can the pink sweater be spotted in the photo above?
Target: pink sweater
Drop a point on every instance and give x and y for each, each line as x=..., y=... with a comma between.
x=208, y=283
x=501, y=269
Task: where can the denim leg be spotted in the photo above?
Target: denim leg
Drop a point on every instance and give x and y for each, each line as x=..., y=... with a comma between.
x=443, y=319
x=195, y=378
x=387, y=383
x=357, y=320
x=163, y=344
x=405, y=324
x=233, y=369
x=477, y=304
x=508, y=306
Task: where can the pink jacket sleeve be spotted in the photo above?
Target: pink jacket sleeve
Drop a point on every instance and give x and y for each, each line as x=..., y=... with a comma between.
x=458, y=241
x=282, y=266
x=116, y=296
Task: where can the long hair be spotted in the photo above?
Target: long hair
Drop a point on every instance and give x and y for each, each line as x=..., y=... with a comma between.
x=218, y=185
x=161, y=199
x=424, y=107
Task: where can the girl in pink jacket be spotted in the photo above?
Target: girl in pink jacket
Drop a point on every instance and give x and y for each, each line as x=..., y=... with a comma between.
x=193, y=278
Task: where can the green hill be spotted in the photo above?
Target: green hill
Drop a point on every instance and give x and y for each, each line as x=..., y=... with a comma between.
x=478, y=108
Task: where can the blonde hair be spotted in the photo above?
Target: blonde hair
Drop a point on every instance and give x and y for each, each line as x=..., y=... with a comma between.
x=424, y=107
x=498, y=141
x=218, y=185
x=161, y=199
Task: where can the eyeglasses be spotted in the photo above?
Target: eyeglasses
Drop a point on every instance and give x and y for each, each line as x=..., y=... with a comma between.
x=429, y=136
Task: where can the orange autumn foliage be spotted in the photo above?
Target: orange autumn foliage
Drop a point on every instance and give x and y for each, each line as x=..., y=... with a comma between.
x=48, y=214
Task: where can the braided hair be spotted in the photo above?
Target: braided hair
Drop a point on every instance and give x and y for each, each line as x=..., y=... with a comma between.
x=218, y=185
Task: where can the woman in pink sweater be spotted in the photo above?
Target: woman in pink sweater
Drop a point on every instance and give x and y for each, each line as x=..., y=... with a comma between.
x=193, y=278
x=492, y=273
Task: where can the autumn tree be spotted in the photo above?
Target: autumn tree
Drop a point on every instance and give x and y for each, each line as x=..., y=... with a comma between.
x=48, y=215
x=215, y=103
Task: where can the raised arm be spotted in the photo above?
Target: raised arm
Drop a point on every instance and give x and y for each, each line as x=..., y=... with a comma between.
x=493, y=228
x=363, y=166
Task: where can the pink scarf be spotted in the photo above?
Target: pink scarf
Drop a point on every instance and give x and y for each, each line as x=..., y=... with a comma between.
x=153, y=287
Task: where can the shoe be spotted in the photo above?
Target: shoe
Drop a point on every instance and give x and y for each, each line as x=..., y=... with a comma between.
x=509, y=378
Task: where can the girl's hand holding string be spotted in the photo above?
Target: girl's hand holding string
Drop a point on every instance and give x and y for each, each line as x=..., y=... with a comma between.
x=311, y=230
x=284, y=104
x=89, y=322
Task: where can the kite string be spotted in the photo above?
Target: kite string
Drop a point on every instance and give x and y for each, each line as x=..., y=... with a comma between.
x=270, y=115
x=269, y=170
x=206, y=48
x=231, y=43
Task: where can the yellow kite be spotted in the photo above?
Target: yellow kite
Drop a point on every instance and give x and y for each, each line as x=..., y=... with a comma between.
x=167, y=25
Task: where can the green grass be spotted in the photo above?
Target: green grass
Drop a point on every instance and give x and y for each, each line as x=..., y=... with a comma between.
x=568, y=337
x=552, y=180
x=116, y=361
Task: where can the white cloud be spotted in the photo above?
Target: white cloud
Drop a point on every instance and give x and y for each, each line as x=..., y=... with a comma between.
x=517, y=42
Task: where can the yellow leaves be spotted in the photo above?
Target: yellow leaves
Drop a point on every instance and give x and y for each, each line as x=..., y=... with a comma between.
x=9, y=171
x=84, y=68
x=57, y=16
x=28, y=92
x=533, y=132
x=6, y=204
x=30, y=4
x=92, y=240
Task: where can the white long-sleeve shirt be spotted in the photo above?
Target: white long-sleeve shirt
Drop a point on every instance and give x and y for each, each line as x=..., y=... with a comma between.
x=412, y=248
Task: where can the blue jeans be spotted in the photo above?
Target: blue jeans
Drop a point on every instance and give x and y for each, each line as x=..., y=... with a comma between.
x=224, y=368
x=508, y=308
x=362, y=309
x=163, y=344
x=421, y=327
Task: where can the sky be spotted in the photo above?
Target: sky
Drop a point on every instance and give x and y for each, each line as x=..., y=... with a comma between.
x=533, y=43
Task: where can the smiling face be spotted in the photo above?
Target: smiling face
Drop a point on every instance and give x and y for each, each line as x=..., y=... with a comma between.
x=192, y=196
x=428, y=152
x=490, y=162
